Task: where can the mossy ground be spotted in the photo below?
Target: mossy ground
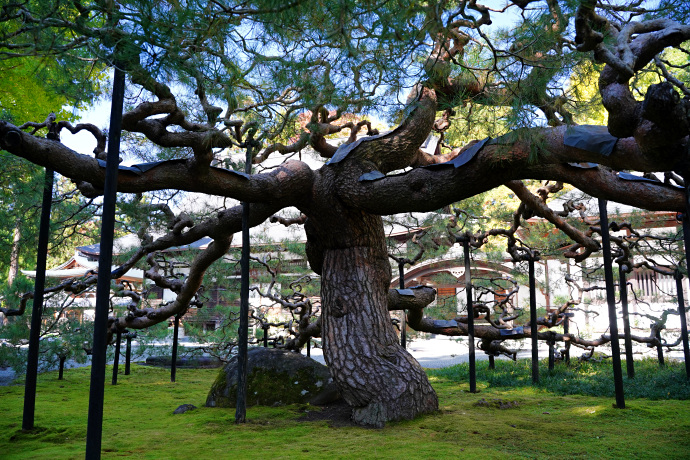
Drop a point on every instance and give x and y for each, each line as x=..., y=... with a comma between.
x=539, y=424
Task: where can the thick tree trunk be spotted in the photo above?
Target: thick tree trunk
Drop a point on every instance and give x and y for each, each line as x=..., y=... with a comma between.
x=376, y=376
x=379, y=379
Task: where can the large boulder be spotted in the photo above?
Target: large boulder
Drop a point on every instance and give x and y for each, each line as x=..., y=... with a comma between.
x=275, y=377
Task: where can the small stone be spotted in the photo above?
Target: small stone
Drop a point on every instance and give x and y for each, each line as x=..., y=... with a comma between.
x=184, y=408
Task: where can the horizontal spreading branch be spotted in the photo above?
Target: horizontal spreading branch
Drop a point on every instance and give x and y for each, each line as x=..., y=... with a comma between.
x=540, y=155
x=287, y=184
x=421, y=297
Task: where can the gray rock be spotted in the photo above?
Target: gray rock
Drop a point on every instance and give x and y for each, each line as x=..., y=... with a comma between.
x=184, y=408
x=275, y=377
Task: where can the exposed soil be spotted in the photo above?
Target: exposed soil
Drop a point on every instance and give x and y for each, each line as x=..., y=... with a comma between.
x=338, y=414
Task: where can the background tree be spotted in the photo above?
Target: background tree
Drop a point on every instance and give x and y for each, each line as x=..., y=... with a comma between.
x=33, y=87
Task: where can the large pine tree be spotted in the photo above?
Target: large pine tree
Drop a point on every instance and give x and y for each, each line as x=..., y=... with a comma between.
x=208, y=77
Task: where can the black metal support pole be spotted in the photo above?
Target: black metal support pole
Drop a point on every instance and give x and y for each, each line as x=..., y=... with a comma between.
x=533, y=321
x=62, y=366
x=173, y=363
x=566, y=331
x=403, y=322
x=128, y=354
x=492, y=362
x=683, y=323
x=660, y=349
x=566, y=325
x=116, y=361
x=552, y=357
x=683, y=317
x=611, y=300
x=623, y=288
x=37, y=310
x=309, y=348
x=96, y=392
x=470, y=318
x=265, y=337
x=243, y=331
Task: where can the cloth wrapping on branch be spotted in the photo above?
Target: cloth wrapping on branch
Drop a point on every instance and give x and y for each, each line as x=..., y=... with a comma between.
x=590, y=138
x=141, y=168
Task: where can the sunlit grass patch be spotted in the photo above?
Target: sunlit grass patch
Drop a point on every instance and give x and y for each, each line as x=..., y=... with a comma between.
x=584, y=378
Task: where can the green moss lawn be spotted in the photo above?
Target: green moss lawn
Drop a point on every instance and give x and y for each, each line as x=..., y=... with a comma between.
x=508, y=418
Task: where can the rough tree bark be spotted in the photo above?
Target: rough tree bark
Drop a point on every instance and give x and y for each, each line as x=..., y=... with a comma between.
x=378, y=378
